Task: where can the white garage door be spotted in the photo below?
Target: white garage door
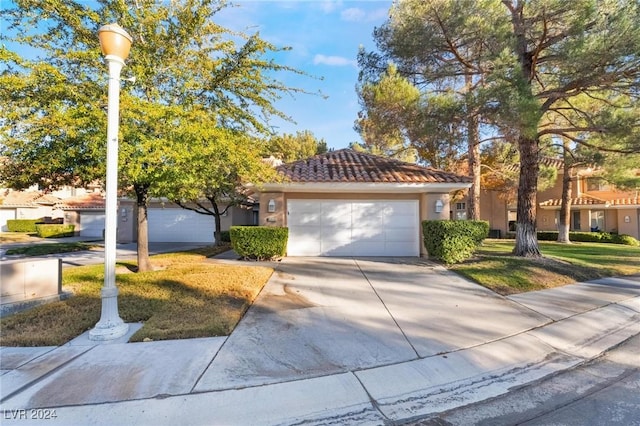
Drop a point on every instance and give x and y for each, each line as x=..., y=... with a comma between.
x=353, y=228
x=180, y=225
x=91, y=224
x=6, y=214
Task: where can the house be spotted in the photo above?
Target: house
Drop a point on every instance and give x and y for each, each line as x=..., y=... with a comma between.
x=348, y=203
x=595, y=206
x=167, y=222
x=25, y=205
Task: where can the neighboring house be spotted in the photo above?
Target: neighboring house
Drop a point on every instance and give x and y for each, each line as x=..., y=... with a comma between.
x=595, y=206
x=25, y=205
x=167, y=222
x=348, y=203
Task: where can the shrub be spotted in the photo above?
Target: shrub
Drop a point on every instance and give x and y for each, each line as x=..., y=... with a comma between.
x=55, y=231
x=259, y=242
x=225, y=237
x=452, y=241
x=22, y=225
x=626, y=240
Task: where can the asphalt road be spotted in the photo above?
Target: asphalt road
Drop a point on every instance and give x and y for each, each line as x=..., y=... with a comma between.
x=605, y=391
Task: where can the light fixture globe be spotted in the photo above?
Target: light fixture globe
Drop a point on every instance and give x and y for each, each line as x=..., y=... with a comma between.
x=114, y=41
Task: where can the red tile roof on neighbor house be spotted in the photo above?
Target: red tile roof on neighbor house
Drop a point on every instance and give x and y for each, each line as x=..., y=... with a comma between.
x=592, y=201
x=93, y=200
x=28, y=199
x=346, y=165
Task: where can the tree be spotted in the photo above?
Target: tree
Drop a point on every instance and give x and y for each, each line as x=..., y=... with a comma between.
x=289, y=147
x=534, y=58
x=210, y=168
x=184, y=64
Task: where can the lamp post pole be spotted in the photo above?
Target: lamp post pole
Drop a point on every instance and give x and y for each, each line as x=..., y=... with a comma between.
x=115, y=43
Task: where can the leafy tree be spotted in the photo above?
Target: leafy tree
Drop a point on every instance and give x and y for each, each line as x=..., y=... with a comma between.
x=289, y=147
x=210, y=167
x=185, y=66
x=534, y=59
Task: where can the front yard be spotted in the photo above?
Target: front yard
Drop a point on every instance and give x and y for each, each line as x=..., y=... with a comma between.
x=184, y=298
x=495, y=268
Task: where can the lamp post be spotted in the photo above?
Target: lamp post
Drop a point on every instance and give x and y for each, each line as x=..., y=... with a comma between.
x=115, y=43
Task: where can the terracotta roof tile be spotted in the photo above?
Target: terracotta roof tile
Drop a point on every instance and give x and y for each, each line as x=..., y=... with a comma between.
x=93, y=200
x=346, y=165
x=591, y=201
x=28, y=199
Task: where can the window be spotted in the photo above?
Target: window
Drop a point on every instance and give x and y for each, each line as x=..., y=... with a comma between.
x=597, y=184
x=461, y=211
x=575, y=221
x=596, y=220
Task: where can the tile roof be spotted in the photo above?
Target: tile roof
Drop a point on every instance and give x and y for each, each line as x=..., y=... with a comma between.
x=28, y=199
x=346, y=165
x=93, y=200
x=592, y=201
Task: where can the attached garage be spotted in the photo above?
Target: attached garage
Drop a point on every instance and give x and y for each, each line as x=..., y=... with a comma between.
x=349, y=203
x=91, y=224
x=180, y=225
x=350, y=228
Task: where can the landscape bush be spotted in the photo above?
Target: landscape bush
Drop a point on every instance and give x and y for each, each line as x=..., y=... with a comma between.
x=225, y=237
x=259, y=242
x=452, y=241
x=586, y=237
x=22, y=225
x=55, y=231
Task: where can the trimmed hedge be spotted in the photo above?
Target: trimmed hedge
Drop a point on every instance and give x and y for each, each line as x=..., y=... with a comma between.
x=259, y=242
x=55, y=231
x=225, y=237
x=22, y=225
x=452, y=241
x=585, y=237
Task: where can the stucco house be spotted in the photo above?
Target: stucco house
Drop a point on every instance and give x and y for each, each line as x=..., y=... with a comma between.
x=348, y=203
x=25, y=205
x=595, y=206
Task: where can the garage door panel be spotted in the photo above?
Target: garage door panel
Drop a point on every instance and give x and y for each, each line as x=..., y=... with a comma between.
x=91, y=224
x=180, y=225
x=353, y=228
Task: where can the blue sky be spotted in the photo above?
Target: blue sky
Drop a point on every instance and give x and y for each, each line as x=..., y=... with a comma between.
x=324, y=37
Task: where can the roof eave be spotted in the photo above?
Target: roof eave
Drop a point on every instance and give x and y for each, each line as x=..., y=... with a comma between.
x=363, y=187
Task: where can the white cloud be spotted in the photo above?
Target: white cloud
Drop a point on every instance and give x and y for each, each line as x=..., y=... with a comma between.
x=334, y=61
x=329, y=6
x=353, y=14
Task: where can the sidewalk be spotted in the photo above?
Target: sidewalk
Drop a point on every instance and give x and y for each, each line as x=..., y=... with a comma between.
x=341, y=341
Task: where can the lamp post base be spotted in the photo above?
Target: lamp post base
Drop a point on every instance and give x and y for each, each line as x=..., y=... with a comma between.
x=108, y=331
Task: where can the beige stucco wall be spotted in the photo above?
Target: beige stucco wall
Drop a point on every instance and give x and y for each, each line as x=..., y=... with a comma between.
x=632, y=227
x=493, y=209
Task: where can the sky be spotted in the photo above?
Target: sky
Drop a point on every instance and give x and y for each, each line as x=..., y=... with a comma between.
x=324, y=36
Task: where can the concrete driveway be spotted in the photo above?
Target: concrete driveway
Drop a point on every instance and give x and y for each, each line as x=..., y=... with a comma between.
x=320, y=316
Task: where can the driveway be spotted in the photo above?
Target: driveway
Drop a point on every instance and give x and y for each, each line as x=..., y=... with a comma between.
x=319, y=316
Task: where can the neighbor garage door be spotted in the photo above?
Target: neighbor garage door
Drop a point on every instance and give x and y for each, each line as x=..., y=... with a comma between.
x=91, y=224
x=353, y=228
x=180, y=225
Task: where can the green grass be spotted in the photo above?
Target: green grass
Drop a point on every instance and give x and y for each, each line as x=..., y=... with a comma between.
x=494, y=267
x=51, y=248
x=184, y=297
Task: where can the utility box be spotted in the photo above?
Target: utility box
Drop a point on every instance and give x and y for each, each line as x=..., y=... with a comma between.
x=27, y=283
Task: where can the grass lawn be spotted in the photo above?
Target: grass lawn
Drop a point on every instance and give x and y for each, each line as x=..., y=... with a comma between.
x=50, y=248
x=183, y=298
x=17, y=237
x=494, y=267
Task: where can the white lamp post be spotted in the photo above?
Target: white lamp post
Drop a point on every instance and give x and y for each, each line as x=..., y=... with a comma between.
x=115, y=44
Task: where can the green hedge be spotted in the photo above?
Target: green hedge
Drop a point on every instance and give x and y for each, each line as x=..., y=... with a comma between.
x=22, y=225
x=585, y=237
x=225, y=237
x=259, y=242
x=452, y=241
x=55, y=231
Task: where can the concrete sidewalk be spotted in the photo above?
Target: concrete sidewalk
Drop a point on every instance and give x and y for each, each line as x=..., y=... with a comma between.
x=343, y=341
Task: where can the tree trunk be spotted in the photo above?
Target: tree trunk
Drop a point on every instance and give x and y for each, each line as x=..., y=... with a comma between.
x=526, y=237
x=142, y=198
x=217, y=217
x=473, y=209
x=565, y=205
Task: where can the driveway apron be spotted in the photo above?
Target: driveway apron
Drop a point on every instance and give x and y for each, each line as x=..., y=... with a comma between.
x=319, y=316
